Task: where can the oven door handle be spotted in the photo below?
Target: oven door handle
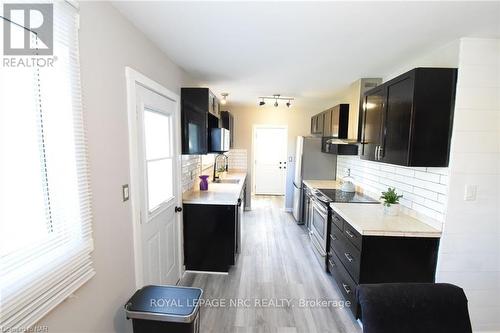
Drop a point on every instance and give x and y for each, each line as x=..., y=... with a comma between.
x=317, y=246
x=321, y=210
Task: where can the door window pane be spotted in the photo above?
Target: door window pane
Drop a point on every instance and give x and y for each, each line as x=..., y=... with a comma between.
x=157, y=128
x=160, y=187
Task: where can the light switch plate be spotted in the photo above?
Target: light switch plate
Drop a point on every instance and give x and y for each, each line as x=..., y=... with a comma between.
x=470, y=192
x=125, y=192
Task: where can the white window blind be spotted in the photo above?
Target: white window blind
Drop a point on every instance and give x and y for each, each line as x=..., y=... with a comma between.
x=45, y=199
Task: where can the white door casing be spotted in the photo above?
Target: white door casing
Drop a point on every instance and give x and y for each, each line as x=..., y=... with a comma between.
x=154, y=142
x=270, y=159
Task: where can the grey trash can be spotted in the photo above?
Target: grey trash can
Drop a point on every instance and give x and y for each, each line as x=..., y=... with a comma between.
x=165, y=309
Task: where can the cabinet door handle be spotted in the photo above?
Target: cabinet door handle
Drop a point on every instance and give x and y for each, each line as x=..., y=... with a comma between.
x=376, y=153
x=346, y=288
x=348, y=256
x=350, y=234
x=380, y=150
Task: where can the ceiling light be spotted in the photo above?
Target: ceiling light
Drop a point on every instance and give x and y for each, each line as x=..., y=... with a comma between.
x=224, y=98
x=276, y=98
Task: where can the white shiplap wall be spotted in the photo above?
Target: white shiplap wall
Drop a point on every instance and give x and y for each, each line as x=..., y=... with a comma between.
x=469, y=253
x=424, y=190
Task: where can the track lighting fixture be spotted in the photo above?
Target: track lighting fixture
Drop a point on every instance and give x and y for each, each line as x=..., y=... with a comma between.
x=276, y=98
x=224, y=98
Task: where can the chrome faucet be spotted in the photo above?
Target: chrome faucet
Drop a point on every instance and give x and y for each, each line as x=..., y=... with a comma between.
x=226, y=162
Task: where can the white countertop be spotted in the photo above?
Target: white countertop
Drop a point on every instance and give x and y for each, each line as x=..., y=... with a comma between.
x=218, y=193
x=326, y=184
x=370, y=220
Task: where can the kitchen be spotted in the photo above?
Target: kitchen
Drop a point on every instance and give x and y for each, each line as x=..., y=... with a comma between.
x=261, y=176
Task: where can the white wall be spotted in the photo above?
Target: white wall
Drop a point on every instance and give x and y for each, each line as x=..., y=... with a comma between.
x=108, y=43
x=297, y=120
x=470, y=246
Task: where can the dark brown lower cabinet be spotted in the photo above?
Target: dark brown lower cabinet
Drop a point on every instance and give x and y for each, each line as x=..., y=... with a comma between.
x=355, y=259
x=212, y=235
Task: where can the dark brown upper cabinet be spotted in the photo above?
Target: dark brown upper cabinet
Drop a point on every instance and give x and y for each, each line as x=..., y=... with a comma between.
x=199, y=114
x=227, y=122
x=336, y=121
x=317, y=124
x=332, y=122
x=408, y=120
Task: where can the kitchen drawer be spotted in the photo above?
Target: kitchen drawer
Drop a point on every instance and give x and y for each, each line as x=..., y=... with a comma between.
x=344, y=281
x=352, y=235
x=337, y=221
x=349, y=255
x=336, y=239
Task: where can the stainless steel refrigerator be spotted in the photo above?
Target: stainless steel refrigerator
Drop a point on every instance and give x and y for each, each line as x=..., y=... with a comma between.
x=310, y=164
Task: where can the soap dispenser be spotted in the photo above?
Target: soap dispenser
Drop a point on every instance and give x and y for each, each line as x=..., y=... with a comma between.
x=348, y=182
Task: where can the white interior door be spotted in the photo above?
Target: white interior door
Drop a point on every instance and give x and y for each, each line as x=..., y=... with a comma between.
x=157, y=153
x=270, y=150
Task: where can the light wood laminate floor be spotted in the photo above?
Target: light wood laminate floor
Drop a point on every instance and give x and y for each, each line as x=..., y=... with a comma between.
x=276, y=264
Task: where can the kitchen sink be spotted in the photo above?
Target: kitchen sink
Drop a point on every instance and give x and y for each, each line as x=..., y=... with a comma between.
x=227, y=181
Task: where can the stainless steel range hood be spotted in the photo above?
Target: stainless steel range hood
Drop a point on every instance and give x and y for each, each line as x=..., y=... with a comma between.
x=332, y=145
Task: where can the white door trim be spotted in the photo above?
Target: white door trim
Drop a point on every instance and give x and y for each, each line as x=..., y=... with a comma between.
x=254, y=128
x=134, y=78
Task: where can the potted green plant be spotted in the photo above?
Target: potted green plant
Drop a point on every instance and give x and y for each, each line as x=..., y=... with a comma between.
x=391, y=201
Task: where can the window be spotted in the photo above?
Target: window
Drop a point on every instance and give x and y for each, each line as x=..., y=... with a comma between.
x=45, y=215
x=159, y=158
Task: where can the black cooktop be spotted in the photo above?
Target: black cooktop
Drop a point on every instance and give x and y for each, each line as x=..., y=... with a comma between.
x=332, y=195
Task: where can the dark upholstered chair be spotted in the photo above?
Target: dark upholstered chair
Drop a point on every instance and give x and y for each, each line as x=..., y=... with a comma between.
x=413, y=308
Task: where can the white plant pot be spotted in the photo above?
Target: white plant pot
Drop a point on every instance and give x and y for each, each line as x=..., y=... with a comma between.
x=392, y=210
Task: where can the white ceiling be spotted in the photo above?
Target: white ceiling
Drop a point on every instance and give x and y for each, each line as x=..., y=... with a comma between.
x=309, y=50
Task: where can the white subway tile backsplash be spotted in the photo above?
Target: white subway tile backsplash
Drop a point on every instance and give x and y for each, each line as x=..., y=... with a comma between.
x=425, y=193
x=444, y=179
x=191, y=167
x=237, y=159
x=431, y=177
x=421, y=187
x=408, y=172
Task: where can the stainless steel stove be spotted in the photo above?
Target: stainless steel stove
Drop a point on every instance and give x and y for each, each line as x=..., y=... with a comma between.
x=321, y=215
x=334, y=195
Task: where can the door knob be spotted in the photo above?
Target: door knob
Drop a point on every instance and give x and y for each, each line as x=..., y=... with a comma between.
x=178, y=209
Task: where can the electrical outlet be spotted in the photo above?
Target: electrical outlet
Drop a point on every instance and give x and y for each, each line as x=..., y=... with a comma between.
x=125, y=192
x=470, y=192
